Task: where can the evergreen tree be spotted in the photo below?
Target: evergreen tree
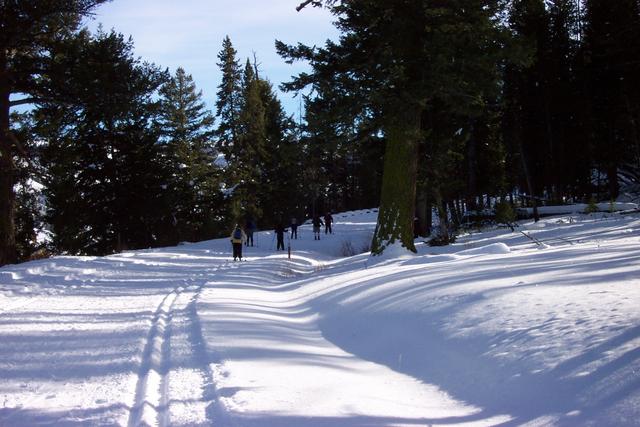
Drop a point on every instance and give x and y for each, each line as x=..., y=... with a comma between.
x=229, y=98
x=344, y=151
x=29, y=220
x=28, y=31
x=247, y=160
x=187, y=131
x=611, y=51
x=105, y=177
x=565, y=100
x=403, y=56
x=525, y=103
x=281, y=188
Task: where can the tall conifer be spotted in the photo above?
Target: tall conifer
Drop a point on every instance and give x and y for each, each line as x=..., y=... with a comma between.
x=28, y=31
x=104, y=173
x=229, y=98
x=611, y=50
x=403, y=55
x=187, y=130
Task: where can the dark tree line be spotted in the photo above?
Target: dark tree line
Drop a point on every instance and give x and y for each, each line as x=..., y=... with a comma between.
x=129, y=156
x=421, y=106
x=28, y=32
x=526, y=101
x=126, y=155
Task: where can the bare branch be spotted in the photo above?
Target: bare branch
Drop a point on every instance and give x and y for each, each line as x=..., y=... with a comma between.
x=304, y=4
x=12, y=137
x=23, y=101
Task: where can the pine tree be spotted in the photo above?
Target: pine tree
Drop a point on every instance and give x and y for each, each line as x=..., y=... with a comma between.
x=29, y=204
x=28, y=30
x=187, y=133
x=281, y=189
x=343, y=151
x=611, y=48
x=246, y=165
x=229, y=98
x=525, y=103
x=105, y=177
x=565, y=100
x=397, y=58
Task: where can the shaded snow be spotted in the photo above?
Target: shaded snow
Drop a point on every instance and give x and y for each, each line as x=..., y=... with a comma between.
x=488, y=331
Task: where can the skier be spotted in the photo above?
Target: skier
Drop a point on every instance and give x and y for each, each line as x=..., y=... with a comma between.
x=280, y=230
x=328, y=219
x=250, y=226
x=237, y=238
x=294, y=228
x=317, y=223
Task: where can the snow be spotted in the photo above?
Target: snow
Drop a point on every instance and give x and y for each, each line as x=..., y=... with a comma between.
x=495, y=329
x=579, y=208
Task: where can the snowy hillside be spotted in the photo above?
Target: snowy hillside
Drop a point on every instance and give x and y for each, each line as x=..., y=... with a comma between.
x=494, y=330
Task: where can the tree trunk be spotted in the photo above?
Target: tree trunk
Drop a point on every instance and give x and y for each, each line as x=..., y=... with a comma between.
x=429, y=219
x=460, y=208
x=612, y=178
x=455, y=213
x=612, y=164
x=472, y=180
x=421, y=213
x=397, y=199
x=552, y=160
x=633, y=125
x=8, y=250
x=443, y=221
x=527, y=172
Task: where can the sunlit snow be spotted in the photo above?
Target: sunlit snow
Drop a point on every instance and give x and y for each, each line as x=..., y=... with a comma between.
x=497, y=329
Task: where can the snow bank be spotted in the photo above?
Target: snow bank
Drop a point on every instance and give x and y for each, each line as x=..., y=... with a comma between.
x=492, y=249
x=577, y=208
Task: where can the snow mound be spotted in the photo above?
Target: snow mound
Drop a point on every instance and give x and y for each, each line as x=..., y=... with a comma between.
x=492, y=249
x=431, y=259
x=392, y=252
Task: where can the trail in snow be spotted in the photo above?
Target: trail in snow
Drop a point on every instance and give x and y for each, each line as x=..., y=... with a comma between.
x=493, y=330
x=92, y=337
x=175, y=383
x=151, y=392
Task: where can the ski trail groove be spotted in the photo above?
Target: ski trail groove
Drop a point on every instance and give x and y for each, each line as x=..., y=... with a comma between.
x=153, y=400
x=215, y=409
x=150, y=396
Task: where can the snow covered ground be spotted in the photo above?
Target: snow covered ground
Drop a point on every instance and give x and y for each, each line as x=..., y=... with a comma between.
x=494, y=330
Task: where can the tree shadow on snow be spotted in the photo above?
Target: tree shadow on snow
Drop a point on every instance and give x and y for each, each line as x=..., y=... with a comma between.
x=589, y=387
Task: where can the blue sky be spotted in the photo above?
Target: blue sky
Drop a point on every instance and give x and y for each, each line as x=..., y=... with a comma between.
x=189, y=34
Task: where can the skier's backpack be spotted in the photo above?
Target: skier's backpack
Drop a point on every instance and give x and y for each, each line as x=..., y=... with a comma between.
x=237, y=234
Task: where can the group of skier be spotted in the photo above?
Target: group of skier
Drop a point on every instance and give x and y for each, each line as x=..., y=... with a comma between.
x=241, y=235
x=318, y=223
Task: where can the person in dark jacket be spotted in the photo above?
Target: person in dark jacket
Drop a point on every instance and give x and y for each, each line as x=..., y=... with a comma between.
x=280, y=230
x=294, y=228
x=250, y=226
x=328, y=220
x=317, y=223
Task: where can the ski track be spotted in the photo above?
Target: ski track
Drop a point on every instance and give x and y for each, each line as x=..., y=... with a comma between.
x=214, y=410
x=20, y=305
x=153, y=399
x=175, y=376
x=150, y=388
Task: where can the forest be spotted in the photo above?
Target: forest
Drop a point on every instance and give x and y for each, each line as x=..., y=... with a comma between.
x=437, y=111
